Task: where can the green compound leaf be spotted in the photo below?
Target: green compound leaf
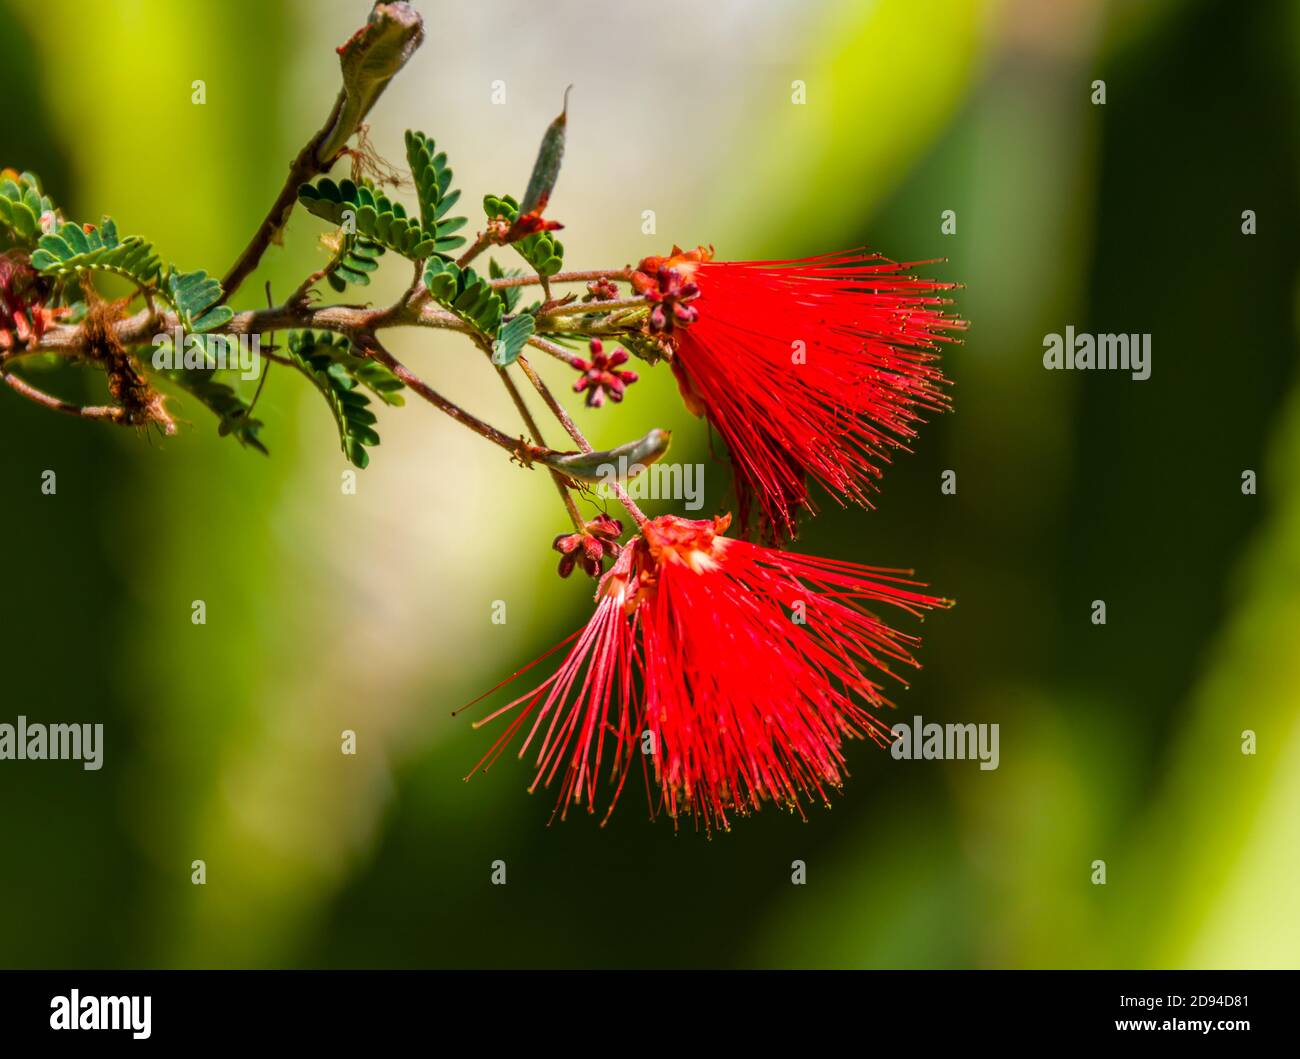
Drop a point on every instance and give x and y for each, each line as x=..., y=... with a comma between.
x=22, y=204
x=511, y=339
x=433, y=186
x=465, y=293
x=320, y=358
x=374, y=376
x=365, y=211
x=358, y=258
x=73, y=249
x=196, y=297
x=231, y=409
x=509, y=295
x=541, y=249
x=380, y=381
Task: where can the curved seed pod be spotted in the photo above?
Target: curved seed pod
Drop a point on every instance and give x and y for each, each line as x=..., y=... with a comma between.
x=594, y=466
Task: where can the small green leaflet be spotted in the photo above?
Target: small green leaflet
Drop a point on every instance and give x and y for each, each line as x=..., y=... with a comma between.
x=465, y=293
x=509, y=295
x=71, y=250
x=371, y=213
x=326, y=360
x=511, y=339
x=196, y=296
x=356, y=259
x=432, y=177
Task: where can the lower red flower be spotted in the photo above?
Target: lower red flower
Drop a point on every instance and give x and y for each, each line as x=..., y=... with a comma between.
x=814, y=369
x=734, y=671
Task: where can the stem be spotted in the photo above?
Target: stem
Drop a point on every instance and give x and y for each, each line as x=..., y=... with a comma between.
x=557, y=351
x=578, y=308
x=628, y=503
x=557, y=409
x=572, y=429
x=299, y=297
x=304, y=167
x=486, y=430
x=109, y=412
x=350, y=320
x=560, y=483
x=382, y=48
x=266, y=368
x=345, y=319
x=624, y=274
x=484, y=240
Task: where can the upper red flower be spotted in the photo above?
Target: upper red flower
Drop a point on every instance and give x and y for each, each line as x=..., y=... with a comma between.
x=734, y=671
x=808, y=369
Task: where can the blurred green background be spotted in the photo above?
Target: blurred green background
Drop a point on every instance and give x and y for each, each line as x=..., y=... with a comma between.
x=372, y=612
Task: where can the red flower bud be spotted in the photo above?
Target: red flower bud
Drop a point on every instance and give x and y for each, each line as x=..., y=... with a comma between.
x=597, y=541
x=601, y=376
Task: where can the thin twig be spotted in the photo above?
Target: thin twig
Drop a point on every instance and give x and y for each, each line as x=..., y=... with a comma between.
x=557, y=351
x=563, y=277
x=345, y=319
x=304, y=167
x=299, y=296
x=486, y=430
x=56, y=404
x=266, y=368
x=557, y=409
x=370, y=59
x=561, y=483
x=578, y=308
x=571, y=428
x=485, y=239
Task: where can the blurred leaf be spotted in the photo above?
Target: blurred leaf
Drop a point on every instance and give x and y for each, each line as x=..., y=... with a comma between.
x=322, y=358
x=229, y=407
x=22, y=204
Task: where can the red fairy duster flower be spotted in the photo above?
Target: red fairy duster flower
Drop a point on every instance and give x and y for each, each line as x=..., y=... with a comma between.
x=733, y=671
x=808, y=369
